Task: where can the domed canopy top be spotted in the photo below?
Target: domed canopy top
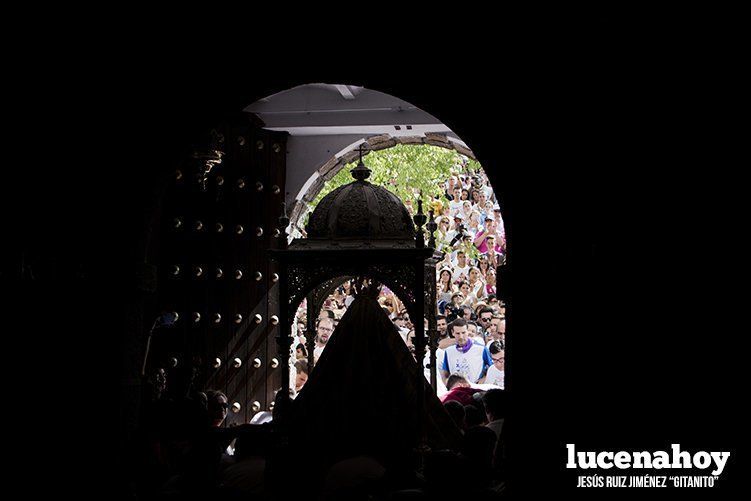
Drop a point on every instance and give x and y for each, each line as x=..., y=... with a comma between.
x=360, y=210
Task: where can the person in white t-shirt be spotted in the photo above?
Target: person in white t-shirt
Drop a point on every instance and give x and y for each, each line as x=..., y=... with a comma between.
x=474, y=333
x=444, y=229
x=461, y=268
x=440, y=385
x=476, y=284
x=497, y=330
x=466, y=211
x=324, y=330
x=401, y=325
x=452, y=229
x=348, y=293
x=500, y=227
x=488, y=191
x=469, y=298
x=496, y=372
x=455, y=205
x=465, y=357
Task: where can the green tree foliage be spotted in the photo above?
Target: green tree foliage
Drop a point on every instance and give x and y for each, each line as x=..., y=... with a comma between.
x=409, y=171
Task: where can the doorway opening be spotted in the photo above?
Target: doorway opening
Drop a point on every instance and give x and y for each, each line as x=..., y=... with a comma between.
x=465, y=209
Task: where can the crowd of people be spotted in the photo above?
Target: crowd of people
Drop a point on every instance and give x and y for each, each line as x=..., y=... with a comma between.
x=471, y=342
x=472, y=237
x=185, y=446
x=471, y=320
x=185, y=450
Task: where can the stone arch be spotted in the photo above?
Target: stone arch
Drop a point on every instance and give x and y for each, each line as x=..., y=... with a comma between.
x=336, y=163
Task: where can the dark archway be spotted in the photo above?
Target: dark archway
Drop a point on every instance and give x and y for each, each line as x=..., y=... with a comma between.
x=253, y=165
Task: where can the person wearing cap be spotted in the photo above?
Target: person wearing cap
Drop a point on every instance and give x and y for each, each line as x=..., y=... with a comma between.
x=461, y=233
x=451, y=232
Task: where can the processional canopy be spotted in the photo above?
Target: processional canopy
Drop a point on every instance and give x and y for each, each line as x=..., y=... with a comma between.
x=360, y=211
x=362, y=230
